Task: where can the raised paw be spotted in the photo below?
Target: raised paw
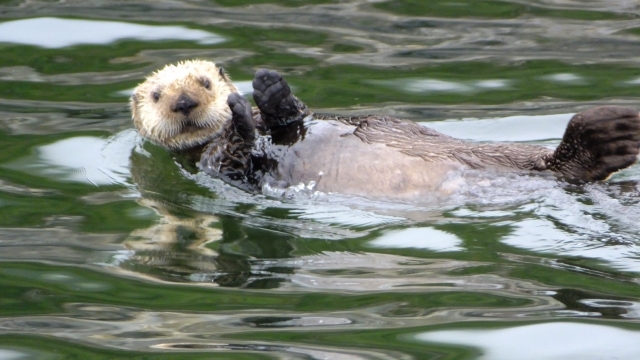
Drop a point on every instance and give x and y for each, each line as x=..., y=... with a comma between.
x=272, y=94
x=269, y=91
x=241, y=117
x=597, y=143
x=229, y=155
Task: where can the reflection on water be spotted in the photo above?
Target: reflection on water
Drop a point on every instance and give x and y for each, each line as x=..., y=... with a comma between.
x=559, y=340
x=60, y=33
x=566, y=78
x=83, y=159
x=432, y=85
x=520, y=128
x=113, y=247
x=420, y=238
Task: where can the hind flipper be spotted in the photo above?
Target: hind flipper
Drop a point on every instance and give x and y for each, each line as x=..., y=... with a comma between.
x=272, y=94
x=597, y=143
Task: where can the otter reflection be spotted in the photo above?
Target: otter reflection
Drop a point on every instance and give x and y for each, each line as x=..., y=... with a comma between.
x=187, y=246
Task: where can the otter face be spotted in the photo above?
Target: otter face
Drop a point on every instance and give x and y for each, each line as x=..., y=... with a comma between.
x=183, y=105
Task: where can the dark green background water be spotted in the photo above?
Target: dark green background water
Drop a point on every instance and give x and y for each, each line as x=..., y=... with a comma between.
x=110, y=249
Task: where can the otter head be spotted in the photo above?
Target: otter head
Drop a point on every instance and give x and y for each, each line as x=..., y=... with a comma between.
x=183, y=105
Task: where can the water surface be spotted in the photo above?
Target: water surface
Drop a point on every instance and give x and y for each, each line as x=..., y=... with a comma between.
x=112, y=248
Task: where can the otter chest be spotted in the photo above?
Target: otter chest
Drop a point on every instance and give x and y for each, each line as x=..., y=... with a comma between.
x=327, y=156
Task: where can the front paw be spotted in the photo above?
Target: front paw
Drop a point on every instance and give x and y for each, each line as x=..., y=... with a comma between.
x=599, y=142
x=270, y=91
x=241, y=117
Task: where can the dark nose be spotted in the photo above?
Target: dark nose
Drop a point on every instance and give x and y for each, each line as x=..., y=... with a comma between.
x=184, y=104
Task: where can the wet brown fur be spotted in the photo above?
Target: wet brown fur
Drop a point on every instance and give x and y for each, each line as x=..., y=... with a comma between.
x=155, y=119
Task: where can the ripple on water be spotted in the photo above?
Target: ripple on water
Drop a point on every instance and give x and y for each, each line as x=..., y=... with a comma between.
x=99, y=162
x=442, y=86
x=50, y=32
x=304, y=321
x=419, y=238
x=529, y=128
x=12, y=354
x=455, y=267
x=554, y=340
x=627, y=309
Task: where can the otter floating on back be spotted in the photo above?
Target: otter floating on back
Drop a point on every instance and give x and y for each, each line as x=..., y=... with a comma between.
x=193, y=106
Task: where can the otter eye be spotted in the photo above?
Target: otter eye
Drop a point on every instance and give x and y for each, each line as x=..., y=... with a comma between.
x=156, y=96
x=207, y=84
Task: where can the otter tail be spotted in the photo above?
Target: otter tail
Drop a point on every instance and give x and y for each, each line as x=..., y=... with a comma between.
x=597, y=143
x=278, y=106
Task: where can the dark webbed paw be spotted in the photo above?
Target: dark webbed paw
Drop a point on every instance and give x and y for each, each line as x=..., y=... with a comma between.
x=242, y=118
x=273, y=97
x=229, y=155
x=597, y=143
x=269, y=91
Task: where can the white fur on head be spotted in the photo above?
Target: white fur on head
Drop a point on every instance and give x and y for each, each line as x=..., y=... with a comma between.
x=153, y=99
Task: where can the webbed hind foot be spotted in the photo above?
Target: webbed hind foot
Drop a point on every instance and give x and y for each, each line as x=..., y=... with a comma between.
x=272, y=94
x=597, y=143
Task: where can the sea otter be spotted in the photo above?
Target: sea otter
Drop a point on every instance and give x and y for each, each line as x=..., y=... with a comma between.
x=194, y=107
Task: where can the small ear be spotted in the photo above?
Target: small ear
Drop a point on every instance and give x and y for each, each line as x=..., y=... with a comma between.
x=222, y=74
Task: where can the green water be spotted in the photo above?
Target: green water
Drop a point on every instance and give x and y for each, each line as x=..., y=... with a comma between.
x=112, y=248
